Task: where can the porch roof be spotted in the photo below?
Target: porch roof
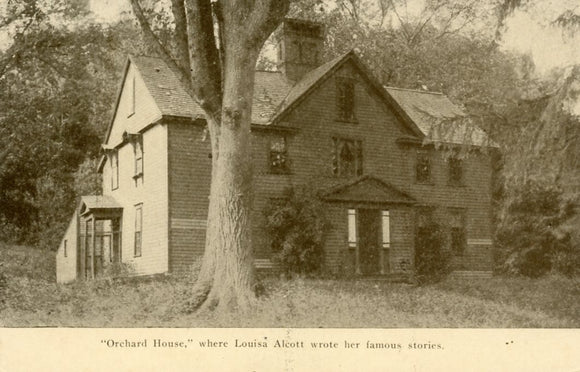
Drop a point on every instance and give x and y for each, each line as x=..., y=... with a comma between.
x=368, y=189
x=95, y=203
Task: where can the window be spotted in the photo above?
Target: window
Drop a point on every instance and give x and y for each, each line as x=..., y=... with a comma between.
x=345, y=101
x=347, y=159
x=457, y=231
x=386, y=230
x=131, y=97
x=352, y=228
x=279, y=156
x=455, y=171
x=425, y=220
x=423, y=167
x=65, y=248
x=138, y=229
x=114, y=157
x=138, y=157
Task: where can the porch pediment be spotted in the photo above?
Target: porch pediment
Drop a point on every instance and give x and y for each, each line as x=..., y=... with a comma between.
x=368, y=189
x=98, y=204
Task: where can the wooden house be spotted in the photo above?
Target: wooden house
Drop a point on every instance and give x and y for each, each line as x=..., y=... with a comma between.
x=384, y=159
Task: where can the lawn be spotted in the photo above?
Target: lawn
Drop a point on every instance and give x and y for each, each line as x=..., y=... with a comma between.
x=30, y=297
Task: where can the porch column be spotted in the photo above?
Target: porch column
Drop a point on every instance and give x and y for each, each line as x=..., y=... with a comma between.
x=93, y=238
x=84, y=247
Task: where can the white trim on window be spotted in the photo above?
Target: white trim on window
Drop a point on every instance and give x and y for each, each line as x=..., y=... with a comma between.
x=352, y=238
x=386, y=222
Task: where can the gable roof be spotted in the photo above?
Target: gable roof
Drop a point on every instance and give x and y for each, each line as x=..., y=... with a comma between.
x=438, y=118
x=368, y=189
x=274, y=96
x=97, y=202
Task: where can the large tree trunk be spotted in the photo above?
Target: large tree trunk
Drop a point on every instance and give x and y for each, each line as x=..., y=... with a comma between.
x=219, y=73
x=227, y=275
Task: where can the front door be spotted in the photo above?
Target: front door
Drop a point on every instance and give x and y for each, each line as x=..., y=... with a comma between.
x=369, y=227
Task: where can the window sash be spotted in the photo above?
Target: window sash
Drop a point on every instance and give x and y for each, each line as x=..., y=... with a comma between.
x=352, y=236
x=343, y=166
x=345, y=95
x=138, y=158
x=386, y=227
x=114, y=170
x=423, y=167
x=138, y=229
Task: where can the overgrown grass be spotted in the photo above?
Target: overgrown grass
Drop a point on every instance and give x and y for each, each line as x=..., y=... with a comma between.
x=31, y=298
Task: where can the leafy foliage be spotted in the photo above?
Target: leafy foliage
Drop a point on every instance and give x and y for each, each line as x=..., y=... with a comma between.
x=432, y=262
x=296, y=226
x=534, y=234
x=57, y=81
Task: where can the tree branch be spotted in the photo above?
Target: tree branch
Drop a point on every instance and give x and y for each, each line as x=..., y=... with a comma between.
x=181, y=37
x=183, y=74
x=205, y=63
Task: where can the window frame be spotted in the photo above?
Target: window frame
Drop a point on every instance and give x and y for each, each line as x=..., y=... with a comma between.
x=346, y=99
x=275, y=156
x=114, y=158
x=131, y=109
x=138, y=144
x=425, y=155
x=454, y=162
x=358, y=156
x=461, y=231
x=138, y=234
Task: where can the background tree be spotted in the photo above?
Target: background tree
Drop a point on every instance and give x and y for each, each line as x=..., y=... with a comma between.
x=56, y=61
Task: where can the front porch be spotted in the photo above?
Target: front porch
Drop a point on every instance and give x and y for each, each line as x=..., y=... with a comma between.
x=374, y=235
x=99, y=236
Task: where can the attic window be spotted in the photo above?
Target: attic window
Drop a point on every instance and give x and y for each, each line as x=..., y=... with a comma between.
x=131, y=97
x=345, y=99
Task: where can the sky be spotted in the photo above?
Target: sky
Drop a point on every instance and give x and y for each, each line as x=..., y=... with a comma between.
x=527, y=31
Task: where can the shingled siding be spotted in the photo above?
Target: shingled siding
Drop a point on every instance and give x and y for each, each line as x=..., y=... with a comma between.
x=151, y=191
x=376, y=125
x=311, y=153
x=189, y=182
x=473, y=197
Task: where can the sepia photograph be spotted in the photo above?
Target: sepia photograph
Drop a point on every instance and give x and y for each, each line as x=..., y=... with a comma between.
x=290, y=166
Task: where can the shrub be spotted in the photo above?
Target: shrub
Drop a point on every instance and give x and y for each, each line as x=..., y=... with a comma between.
x=118, y=270
x=432, y=262
x=296, y=226
x=534, y=234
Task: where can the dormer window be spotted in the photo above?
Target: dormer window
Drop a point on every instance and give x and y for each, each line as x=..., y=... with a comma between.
x=279, y=162
x=345, y=99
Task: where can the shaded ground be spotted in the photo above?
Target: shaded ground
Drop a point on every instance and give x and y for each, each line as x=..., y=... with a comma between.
x=30, y=298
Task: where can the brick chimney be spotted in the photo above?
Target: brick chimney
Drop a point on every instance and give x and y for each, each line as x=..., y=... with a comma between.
x=300, y=46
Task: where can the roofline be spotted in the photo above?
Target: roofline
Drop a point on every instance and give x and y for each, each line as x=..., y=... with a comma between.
x=364, y=178
x=370, y=79
x=128, y=61
x=199, y=121
x=414, y=90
